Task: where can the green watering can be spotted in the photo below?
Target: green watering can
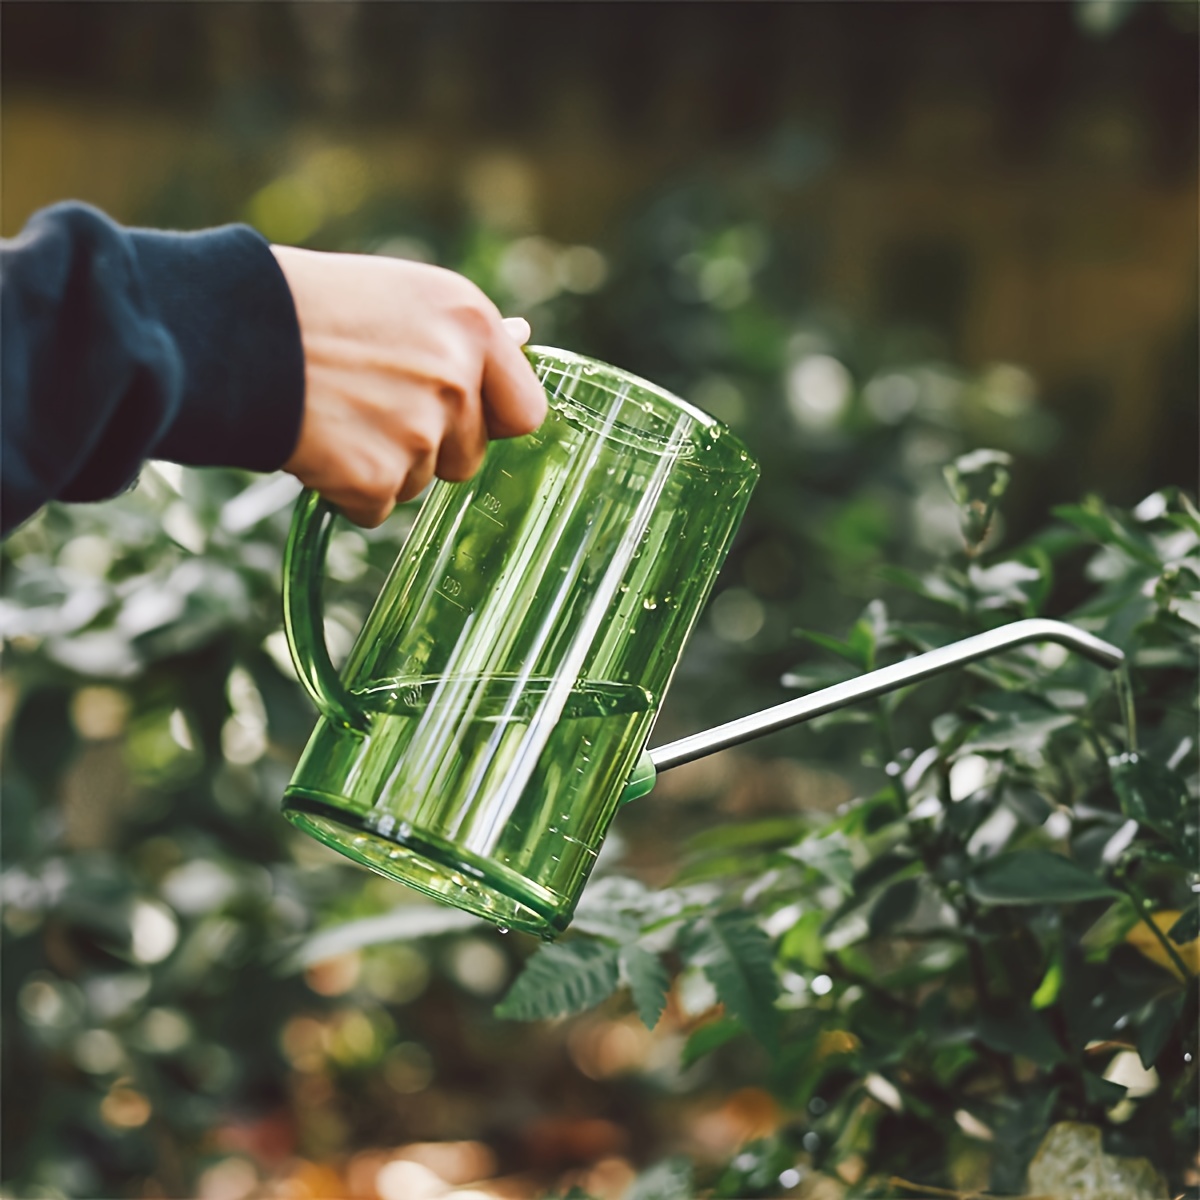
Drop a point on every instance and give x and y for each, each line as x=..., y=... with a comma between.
x=494, y=712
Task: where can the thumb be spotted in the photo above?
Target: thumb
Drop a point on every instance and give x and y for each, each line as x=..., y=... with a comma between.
x=517, y=328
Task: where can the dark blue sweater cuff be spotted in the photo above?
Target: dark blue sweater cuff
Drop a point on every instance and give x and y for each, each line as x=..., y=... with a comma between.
x=224, y=300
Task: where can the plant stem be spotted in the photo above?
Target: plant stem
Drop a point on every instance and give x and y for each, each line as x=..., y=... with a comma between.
x=1141, y=903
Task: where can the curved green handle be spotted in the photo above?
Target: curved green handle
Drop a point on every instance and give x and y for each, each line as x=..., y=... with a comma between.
x=303, y=618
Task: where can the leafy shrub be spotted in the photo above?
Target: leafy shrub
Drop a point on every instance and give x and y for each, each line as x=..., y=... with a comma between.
x=150, y=886
x=1001, y=933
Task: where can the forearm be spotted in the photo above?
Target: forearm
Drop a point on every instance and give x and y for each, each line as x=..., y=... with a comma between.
x=119, y=345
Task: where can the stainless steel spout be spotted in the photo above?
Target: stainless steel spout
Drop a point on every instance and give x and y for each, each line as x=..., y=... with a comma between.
x=886, y=679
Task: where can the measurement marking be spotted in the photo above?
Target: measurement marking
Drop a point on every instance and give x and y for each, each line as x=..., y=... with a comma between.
x=488, y=515
x=461, y=607
x=505, y=473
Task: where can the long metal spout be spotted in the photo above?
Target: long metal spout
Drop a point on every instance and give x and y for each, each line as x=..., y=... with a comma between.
x=886, y=679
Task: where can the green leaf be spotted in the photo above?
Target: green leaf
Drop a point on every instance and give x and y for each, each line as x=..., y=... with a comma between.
x=976, y=461
x=811, y=677
x=1109, y=930
x=713, y=867
x=929, y=961
x=1095, y=519
x=735, y=956
x=1152, y=794
x=828, y=856
x=1020, y=1031
x=748, y=833
x=648, y=980
x=668, y=1180
x=862, y=641
x=883, y=867
x=848, y=650
x=1102, y=1091
x=755, y=1170
x=1187, y=928
x=708, y=1038
x=561, y=979
x=1190, y=514
x=894, y=905
x=1035, y=877
x=1051, y=985
x=1155, y=1024
x=1014, y=721
x=803, y=943
x=941, y=588
x=1009, y=582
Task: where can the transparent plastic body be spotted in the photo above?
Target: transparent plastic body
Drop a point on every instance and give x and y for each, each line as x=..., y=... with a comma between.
x=478, y=740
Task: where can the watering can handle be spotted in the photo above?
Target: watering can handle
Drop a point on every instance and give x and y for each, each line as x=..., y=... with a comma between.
x=874, y=683
x=303, y=616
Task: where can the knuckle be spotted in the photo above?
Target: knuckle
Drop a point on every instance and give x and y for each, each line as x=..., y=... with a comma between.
x=422, y=443
x=454, y=395
x=460, y=469
x=370, y=518
x=374, y=482
x=475, y=314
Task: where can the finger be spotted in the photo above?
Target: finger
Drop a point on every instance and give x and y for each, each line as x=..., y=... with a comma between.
x=417, y=479
x=465, y=443
x=365, y=513
x=513, y=400
x=518, y=329
x=363, y=484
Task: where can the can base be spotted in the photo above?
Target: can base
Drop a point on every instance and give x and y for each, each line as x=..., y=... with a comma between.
x=429, y=864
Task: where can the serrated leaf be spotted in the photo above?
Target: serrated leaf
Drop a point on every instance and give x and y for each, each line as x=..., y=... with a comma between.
x=1034, y=877
x=648, y=981
x=735, y=956
x=708, y=1038
x=561, y=979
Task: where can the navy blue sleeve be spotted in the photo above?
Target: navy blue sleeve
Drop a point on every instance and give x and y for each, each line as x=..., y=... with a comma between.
x=118, y=345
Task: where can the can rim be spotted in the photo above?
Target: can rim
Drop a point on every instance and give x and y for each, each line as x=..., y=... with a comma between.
x=716, y=432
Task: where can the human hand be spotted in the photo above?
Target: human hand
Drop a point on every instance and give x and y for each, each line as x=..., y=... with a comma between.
x=409, y=370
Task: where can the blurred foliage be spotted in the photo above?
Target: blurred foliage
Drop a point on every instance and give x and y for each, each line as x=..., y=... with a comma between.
x=1003, y=934
x=199, y=1001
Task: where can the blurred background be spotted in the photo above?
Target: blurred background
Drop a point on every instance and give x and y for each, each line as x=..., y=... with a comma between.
x=869, y=237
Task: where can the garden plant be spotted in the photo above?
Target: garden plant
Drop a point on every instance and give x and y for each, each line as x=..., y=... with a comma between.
x=980, y=927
